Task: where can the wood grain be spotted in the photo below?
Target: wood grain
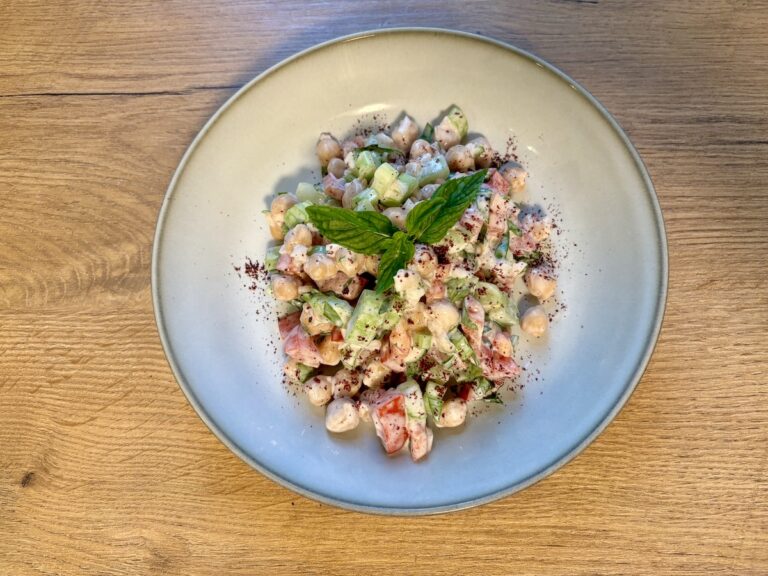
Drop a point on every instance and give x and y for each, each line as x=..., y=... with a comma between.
x=106, y=470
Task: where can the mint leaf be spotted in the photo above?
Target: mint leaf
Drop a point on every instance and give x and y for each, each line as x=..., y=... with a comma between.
x=363, y=232
x=429, y=221
x=421, y=217
x=397, y=256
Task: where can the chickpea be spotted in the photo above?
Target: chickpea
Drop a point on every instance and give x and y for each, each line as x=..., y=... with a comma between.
x=414, y=169
x=540, y=284
x=408, y=285
x=453, y=414
x=276, y=216
x=320, y=267
x=346, y=261
x=318, y=389
x=417, y=318
x=327, y=147
x=369, y=264
x=515, y=174
x=351, y=190
x=375, y=373
x=425, y=261
x=460, y=159
x=396, y=215
x=421, y=148
x=400, y=342
x=442, y=317
x=275, y=228
x=538, y=228
x=299, y=235
x=341, y=415
x=330, y=351
x=285, y=287
x=535, y=321
x=447, y=134
x=346, y=383
x=313, y=322
x=502, y=344
x=481, y=151
x=336, y=166
x=405, y=133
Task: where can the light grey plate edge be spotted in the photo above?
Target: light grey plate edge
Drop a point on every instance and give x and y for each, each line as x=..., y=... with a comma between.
x=460, y=505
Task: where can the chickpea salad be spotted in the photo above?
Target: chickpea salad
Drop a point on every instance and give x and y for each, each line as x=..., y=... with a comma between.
x=396, y=277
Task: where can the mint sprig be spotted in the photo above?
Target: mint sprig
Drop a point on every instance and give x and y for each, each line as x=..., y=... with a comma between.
x=370, y=232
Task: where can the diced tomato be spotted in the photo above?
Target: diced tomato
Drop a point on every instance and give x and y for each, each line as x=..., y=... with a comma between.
x=497, y=367
x=288, y=323
x=497, y=218
x=389, y=421
x=333, y=187
x=300, y=347
x=466, y=393
x=476, y=315
x=499, y=184
x=336, y=335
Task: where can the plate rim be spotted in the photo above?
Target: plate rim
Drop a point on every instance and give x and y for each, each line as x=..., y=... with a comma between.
x=568, y=455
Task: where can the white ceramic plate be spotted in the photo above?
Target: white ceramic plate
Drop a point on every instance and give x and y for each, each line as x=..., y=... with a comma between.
x=613, y=278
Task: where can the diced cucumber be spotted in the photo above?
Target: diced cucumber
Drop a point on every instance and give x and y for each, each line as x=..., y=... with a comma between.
x=433, y=399
x=422, y=340
x=366, y=164
x=490, y=296
x=471, y=373
x=496, y=304
x=414, y=401
x=273, y=255
x=463, y=348
x=365, y=201
x=436, y=372
x=307, y=192
x=433, y=170
x=399, y=190
x=459, y=288
x=457, y=117
x=455, y=240
x=373, y=314
x=504, y=317
x=389, y=314
x=384, y=177
x=297, y=214
x=330, y=307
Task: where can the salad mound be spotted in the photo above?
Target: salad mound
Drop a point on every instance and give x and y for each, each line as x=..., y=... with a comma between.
x=396, y=275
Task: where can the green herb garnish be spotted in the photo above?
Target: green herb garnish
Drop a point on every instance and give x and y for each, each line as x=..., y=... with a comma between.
x=370, y=232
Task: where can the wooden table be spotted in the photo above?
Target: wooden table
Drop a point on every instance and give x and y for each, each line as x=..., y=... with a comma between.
x=104, y=467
